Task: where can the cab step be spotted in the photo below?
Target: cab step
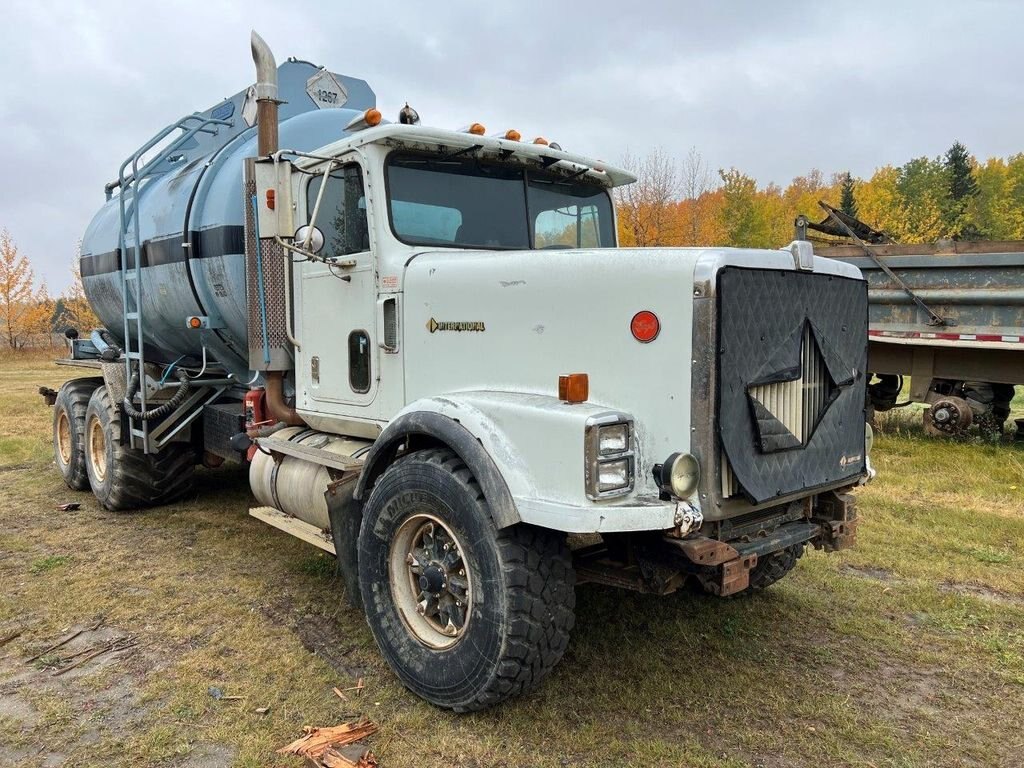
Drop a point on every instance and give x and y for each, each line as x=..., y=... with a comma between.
x=297, y=528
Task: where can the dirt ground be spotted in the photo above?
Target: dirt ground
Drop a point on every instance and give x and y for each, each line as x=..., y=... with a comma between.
x=907, y=651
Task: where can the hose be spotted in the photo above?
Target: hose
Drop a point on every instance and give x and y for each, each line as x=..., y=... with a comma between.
x=161, y=410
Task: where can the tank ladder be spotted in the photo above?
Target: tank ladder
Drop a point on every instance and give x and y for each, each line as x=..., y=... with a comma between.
x=131, y=259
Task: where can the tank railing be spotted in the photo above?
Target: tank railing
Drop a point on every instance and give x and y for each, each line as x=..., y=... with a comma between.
x=182, y=124
x=130, y=314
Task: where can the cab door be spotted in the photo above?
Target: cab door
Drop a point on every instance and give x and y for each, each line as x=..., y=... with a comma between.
x=338, y=356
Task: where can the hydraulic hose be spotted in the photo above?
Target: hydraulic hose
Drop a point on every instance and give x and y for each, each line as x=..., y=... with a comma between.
x=161, y=410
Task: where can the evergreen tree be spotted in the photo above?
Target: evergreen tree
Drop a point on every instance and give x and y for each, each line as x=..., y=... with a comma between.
x=847, y=202
x=963, y=187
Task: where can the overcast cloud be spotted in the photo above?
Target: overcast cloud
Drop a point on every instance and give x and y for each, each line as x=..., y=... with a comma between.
x=774, y=89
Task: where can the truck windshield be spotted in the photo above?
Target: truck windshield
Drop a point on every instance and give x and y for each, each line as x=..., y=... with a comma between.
x=465, y=203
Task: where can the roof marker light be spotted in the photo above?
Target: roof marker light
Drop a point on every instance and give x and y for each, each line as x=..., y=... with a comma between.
x=367, y=119
x=541, y=140
x=513, y=135
x=477, y=129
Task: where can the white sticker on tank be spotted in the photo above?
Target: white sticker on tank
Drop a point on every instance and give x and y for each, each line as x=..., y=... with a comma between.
x=325, y=90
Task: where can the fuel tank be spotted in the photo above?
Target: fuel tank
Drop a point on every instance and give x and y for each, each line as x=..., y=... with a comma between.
x=190, y=212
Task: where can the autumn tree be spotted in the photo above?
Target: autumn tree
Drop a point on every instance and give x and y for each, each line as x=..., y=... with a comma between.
x=646, y=206
x=75, y=310
x=695, y=182
x=847, y=201
x=24, y=311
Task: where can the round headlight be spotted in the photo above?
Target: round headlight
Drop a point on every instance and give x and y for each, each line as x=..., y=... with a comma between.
x=680, y=475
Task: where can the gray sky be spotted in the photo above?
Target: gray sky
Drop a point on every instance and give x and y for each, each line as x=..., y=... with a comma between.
x=773, y=88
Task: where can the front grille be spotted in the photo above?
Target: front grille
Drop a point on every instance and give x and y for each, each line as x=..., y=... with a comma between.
x=796, y=404
x=792, y=354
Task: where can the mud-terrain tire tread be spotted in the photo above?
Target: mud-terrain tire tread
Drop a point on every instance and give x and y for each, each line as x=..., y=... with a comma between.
x=73, y=397
x=538, y=581
x=135, y=479
x=771, y=568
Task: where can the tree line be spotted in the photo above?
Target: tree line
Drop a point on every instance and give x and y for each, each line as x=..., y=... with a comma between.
x=952, y=196
x=29, y=315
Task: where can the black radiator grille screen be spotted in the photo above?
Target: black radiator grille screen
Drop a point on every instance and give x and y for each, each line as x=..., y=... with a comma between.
x=792, y=357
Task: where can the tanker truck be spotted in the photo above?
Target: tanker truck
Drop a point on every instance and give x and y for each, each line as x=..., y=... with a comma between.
x=436, y=364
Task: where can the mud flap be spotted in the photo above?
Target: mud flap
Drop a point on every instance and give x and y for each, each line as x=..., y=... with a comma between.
x=346, y=516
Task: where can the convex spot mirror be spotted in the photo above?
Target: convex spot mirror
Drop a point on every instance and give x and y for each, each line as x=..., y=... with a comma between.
x=313, y=234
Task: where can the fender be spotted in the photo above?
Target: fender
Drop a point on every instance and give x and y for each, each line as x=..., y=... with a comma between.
x=435, y=427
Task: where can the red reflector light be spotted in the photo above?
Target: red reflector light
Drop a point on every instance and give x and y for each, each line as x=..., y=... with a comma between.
x=573, y=387
x=645, y=326
x=271, y=199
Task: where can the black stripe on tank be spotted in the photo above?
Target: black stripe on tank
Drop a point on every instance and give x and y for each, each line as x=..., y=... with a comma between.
x=213, y=242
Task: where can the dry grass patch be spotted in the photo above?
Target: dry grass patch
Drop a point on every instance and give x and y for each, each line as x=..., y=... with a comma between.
x=907, y=651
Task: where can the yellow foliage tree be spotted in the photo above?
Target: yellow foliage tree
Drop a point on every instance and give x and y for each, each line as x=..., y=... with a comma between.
x=25, y=312
x=77, y=312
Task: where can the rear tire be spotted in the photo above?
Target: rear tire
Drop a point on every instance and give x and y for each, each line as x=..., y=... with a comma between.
x=467, y=615
x=125, y=478
x=69, y=431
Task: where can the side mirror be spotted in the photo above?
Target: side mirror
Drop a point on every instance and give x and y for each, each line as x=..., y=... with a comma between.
x=309, y=239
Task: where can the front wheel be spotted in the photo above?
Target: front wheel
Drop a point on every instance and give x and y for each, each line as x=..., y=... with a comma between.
x=467, y=615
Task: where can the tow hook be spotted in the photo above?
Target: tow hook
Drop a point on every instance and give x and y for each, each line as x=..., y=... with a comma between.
x=688, y=519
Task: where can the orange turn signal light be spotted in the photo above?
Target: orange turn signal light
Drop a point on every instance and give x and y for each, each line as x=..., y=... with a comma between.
x=513, y=135
x=477, y=129
x=541, y=140
x=573, y=387
x=372, y=117
x=195, y=322
x=271, y=199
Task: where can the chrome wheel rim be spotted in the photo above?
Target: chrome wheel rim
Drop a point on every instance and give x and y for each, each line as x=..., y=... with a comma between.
x=97, y=449
x=430, y=581
x=63, y=438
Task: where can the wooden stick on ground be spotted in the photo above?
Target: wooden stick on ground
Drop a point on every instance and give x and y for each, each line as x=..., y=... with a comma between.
x=67, y=639
x=116, y=645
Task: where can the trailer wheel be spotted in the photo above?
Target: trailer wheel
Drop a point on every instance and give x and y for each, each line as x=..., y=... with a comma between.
x=122, y=477
x=466, y=615
x=69, y=430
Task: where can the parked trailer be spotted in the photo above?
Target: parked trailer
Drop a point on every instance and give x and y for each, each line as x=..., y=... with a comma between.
x=437, y=365
x=964, y=349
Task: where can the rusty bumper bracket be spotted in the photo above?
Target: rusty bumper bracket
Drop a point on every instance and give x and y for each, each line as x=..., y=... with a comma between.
x=836, y=513
x=720, y=567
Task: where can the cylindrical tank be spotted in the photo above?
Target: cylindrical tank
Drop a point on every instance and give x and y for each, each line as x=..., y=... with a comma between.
x=191, y=221
x=296, y=486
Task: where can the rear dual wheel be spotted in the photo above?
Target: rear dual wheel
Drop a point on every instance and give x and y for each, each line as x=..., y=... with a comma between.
x=466, y=614
x=69, y=430
x=124, y=478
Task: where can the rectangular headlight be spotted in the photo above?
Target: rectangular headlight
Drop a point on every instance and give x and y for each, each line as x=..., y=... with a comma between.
x=613, y=475
x=609, y=458
x=612, y=439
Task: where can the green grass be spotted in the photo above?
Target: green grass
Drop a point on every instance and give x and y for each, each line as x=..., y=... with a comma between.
x=48, y=563
x=905, y=651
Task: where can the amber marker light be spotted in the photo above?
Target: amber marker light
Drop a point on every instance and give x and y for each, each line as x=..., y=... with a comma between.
x=372, y=117
x=573, y=387
x=645, y=326
x=513, y=135
x=541, y=140
x=477, y=129
x=271, y=199
x=195, y=322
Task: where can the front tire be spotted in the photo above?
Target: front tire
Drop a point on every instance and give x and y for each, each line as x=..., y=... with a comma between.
x=125, y=478
x=69, y=431
x=467, y=615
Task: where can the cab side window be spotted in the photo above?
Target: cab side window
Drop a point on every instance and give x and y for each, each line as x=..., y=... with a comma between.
x=342, y=215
